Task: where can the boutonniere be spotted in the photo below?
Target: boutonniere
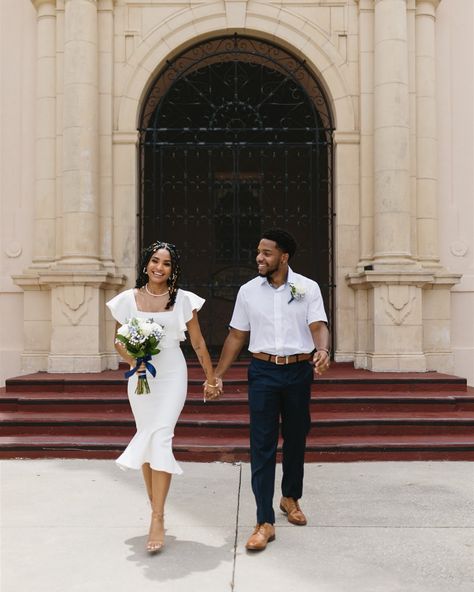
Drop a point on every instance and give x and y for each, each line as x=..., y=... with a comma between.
x=297, y=292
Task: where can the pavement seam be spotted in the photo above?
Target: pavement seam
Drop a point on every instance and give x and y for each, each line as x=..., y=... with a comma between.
x=236, y=535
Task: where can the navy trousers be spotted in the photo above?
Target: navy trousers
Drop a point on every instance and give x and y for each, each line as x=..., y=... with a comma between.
x=278, y=392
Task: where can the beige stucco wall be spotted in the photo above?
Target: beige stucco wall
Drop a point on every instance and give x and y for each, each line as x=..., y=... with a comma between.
x=134, y=39
x=455, y=76
x=17, y=170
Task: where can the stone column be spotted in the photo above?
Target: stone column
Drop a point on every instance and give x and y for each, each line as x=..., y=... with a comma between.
x=80, y=200
x=389, y=291
x=392, y=244
x=36, y=297
x=45, y=202
x=402, y=308
x=426, y=134
x=366, y=70
x=80, y=283
x=106, y=68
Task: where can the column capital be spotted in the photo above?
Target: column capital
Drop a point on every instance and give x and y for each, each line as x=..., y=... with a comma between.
x=106, y=5
x=427, y=7
x=38, y=4
x=72, y=4
x=365, y=5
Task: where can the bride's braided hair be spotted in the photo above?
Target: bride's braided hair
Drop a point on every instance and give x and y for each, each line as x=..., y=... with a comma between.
x=173, y=280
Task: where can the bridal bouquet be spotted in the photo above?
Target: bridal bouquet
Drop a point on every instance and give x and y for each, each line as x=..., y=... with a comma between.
x=141, y=338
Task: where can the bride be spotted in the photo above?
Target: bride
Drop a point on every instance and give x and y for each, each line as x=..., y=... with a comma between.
x=157, y=295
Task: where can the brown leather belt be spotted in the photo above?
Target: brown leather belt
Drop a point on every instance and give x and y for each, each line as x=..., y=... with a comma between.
x=282, y=360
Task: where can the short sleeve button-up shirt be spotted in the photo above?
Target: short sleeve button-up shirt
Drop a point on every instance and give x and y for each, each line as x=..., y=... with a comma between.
x=278, y=318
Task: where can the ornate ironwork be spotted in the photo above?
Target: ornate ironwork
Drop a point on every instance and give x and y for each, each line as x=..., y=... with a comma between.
x=235, y=137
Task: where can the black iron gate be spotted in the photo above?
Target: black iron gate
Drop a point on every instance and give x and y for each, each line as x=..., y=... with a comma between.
x=236, y=137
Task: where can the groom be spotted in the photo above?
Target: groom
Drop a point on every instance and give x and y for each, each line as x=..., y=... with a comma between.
x=283, y=314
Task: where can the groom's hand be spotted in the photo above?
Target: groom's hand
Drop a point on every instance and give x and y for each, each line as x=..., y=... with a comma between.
x=213, y=391
x=321, y=361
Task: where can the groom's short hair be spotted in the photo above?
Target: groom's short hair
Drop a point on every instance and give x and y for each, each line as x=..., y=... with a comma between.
x=285, y=242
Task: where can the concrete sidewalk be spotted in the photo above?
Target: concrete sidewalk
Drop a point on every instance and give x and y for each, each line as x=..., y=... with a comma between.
x=80, y=525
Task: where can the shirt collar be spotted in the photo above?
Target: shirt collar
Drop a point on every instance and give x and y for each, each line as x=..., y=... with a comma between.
x=291, y=276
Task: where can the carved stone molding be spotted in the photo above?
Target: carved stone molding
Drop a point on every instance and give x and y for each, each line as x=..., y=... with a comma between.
x=73, y=301
x=398, y=302
x=13, y=249
x=369, y=279
x=459, y=248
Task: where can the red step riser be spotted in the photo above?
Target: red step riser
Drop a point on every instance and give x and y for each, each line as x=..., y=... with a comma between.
x=92, y=387
x=77, y=431
x=34, y=415
x=240, y=390
x=9, y=407
x=393, y=408
x=354, y=386
x=85, y=387
x=97, y=413
x=74, y=431
x=318, y=432
x=81, y=409
x=345, y=432
x=231, y=411
x=321, y=389
x=384, y=455
x=222, y=456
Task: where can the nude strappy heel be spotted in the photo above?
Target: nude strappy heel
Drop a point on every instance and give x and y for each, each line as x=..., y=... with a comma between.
x=156, y=535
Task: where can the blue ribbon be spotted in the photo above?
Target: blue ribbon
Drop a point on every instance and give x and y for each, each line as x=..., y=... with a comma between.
x=151, y=369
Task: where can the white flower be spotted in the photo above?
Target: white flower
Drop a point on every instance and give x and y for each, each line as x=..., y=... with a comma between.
x=124, y=330
x=146, y=328
x=157, y=330
x=297, y=292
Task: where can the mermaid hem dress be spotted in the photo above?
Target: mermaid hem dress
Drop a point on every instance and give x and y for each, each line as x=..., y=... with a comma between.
x=157, y=412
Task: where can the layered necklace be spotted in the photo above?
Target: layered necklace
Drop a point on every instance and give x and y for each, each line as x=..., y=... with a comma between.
x=155, y=295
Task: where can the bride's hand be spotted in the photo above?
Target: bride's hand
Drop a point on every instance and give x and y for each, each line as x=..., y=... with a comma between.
x=212, y=391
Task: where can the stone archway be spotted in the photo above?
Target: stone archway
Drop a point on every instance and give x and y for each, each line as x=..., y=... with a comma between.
x=301, y=38
x=235, y=137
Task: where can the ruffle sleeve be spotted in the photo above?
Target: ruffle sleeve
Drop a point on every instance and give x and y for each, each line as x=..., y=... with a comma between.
x=121, y=306
x=188, y=301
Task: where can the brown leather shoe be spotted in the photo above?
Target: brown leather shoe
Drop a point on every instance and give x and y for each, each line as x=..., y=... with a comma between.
x=261, y=536
x=293, y=511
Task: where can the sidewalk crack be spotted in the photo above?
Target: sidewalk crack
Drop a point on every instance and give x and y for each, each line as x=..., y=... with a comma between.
x=236, y=535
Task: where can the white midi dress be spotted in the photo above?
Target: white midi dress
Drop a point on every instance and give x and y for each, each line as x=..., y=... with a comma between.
x=156, y=413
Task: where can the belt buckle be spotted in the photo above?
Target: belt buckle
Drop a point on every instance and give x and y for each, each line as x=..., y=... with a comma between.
x=285, y=358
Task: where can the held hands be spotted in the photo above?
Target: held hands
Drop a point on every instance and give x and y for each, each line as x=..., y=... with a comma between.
x=321, y=361
x=213, y=390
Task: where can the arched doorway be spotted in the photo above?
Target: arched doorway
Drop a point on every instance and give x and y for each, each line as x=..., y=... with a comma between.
x=236, y=137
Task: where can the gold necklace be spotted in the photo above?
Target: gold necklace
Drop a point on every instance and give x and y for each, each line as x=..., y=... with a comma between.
x=155, y=295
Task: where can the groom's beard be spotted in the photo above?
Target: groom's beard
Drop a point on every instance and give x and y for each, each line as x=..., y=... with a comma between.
x=269, y=274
